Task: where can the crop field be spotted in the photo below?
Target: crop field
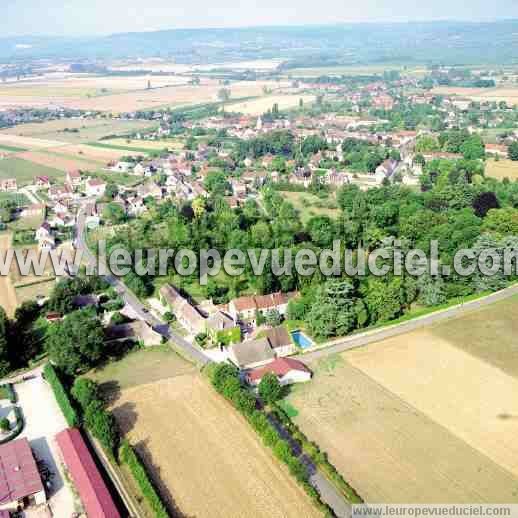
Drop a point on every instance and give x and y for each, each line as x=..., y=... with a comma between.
x=8, y=299
x=124, y=99
x=507, y=94
x=263, y=104
x=151, y=145
x=502, y=169
x=354, y=70
x=74, y=131
x=102, y=155
x=59, y=161
x=25, y=171
x=20, y=141
x=430, y=416
x=212, y=459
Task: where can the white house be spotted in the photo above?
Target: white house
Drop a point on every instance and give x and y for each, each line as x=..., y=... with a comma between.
x=95, y=187
x=287, y=370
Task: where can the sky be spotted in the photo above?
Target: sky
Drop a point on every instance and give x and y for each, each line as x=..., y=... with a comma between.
x=96, y=17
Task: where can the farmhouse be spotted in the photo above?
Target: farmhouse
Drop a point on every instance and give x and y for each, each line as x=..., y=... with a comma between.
x=287, y=371
x=89, y=483
x=20, y=481
x=251, y=354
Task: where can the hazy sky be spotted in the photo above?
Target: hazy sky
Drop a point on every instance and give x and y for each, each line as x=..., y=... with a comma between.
x=83, y=17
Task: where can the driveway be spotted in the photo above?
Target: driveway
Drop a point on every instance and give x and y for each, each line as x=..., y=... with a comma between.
x=43, y=420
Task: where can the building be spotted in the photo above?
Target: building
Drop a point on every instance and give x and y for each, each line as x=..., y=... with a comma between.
x=20, y=481
x=246, y=308
x=287, y=370
x=73, y=179
x=87, y=479
x=280, y=341
x=9, y=184
x=138, y=331
x=188, y=316
x=95, y=187
x=251, y=354
x=42, y=182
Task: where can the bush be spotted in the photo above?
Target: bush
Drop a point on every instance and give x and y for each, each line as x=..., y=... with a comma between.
x=85, y=391
x=61, y=395
x=129, y=457
x=5, y=425
x=102, y=425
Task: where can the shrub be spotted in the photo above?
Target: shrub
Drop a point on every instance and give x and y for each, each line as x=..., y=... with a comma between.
x=61, y=395
x=129, y=457
x=270, y=389
x=85, y=391
x=5, y=425
x=102, y=425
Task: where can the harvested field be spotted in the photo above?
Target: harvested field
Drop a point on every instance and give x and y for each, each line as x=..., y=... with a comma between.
x=117, y=102
x=7, y=293
x=94, y=153
x=470, y=398
x=24, y=171
x=262, y=105
x=388, y=450
x=58, y=161
x=212, y=459
x=76, y=131
x=509, y=95
x=32, y=291
x=19, y=141
x=502, y=169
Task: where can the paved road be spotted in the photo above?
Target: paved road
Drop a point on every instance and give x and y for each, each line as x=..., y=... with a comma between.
x=368, y=337
x=190, y=350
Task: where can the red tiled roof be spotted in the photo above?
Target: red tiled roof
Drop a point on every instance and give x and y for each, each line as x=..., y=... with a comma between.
x=19, y=476
x=92, y=490
x=279, y=367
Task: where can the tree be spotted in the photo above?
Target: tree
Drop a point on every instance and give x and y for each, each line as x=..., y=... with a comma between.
x=5, y=425
x=76, y=344
x=512, y=151
x=273, y=318
x=270, y=389
x=85, y=391
x=5, y=365
x=114, y=213
x=484, y=202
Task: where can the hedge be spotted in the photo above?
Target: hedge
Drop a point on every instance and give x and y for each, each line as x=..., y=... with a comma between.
x=128, y=456
x=61, y=395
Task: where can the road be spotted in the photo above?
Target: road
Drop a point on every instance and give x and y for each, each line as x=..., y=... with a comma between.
x=376, y=335
x=189, y=350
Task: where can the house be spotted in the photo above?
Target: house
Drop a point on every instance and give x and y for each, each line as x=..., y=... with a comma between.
x=53, y=317
x=280, y=341
x=47, y=243
x=88, y=482
x=20, y=481
x=251, y=354
x=287, y=370
x=385, y=170
x=95, y=187
x=150, y=189
x=188, y=316
x=497, y=149
x=139, y=170
x=44, y=231
x=122, y=167
x=92, y=216
x=9, y=184
x=246, y=308
x=42, y=182
x=139, y=331
x=57, y=192
x=73, y=178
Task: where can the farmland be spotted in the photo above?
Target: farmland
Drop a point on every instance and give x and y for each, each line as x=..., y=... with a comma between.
x=7, y=294
x=263, y=104
x=507, y=94
x=212, y=459
x=24, y=171
x=502, y=169
x=121, y=94
x=425, y=417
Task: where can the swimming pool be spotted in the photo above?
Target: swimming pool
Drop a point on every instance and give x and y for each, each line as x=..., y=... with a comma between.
x=301, y=339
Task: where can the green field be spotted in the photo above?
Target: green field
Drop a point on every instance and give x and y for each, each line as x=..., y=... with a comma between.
x=78, y=131
x=141, y=367
x=308, y=205
x=20, y=200
x=25, y=171
x=12, y=149
x=122, y=148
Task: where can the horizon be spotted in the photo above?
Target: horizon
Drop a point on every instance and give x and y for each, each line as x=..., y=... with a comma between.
x=55, y=19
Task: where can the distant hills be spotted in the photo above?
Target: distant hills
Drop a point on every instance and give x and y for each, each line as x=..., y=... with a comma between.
x=433, y=42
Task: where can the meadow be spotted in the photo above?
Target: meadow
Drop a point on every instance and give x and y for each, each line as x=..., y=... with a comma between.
x=430, y=416
x=502, y=169
x=310, y=205
x=24, y=171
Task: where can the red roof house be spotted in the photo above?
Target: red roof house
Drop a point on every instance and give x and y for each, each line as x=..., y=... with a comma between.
x=19, y=475
x=92, y=490
x=287, y=371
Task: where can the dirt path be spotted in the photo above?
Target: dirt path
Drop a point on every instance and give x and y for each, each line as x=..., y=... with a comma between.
x=7, y=292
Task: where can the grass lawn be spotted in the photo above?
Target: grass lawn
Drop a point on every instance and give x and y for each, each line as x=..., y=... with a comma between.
x=25, y=171
x=306, y=204
x=502, y=169
x=140, y=368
